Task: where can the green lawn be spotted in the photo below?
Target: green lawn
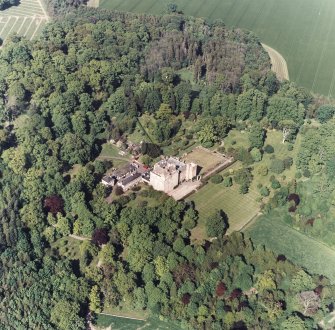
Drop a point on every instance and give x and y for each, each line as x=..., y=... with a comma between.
x=111, y=152
x=68, y=247
x=239, y=208
x=121, y=323
x=272, y=232
x=301, y=30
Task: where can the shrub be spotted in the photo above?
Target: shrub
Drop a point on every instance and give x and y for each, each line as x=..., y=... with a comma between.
x=123, y=200
x=269, y=149
x=118, y=191
x=288, y=162
x=262, y=170
x=277, y=166
x=294, y=198
x=208, y=144
x=228, y=181
x=275, y=184
x=244, y=188
x=264, y=191
x=306, y=173
x=256, y=155
x=325, y=112
x=259, y=185
x=298, y=175
x=217, y=178
x=290, y=147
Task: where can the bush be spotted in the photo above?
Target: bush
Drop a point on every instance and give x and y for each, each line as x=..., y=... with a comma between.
x=277, y=166
x=275, y=184
x=262, y=170
x=244, y=188
x=208, y=144
x=217, y=178
x=306, y=173
x=264, y=191
x=118, y=191
x=288, y=162
x=256, y=155
x=298, y=175
x=228, y=182
x=290, y=147
x=259, y=185
x=325, y=112
x=123, y=200
x=269, y=149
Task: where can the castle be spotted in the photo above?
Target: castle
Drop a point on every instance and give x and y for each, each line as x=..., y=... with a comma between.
x=168, y=173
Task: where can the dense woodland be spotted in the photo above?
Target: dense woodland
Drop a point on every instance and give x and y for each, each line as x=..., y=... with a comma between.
x=87, y=79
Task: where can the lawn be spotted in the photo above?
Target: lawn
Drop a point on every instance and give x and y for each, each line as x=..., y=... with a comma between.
x=311, y=254
x=121, y=323
x=301, y=30
x=239, y=208
x=26, y=19
x=68, y=247
x=111, y=152
x=204, y=158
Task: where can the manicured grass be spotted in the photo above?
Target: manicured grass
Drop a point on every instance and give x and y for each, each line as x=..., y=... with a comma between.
x=121, y=323
x=239, y=208
x=204, y=158
x=26, y=19
x=301, y=30
x=272, y=232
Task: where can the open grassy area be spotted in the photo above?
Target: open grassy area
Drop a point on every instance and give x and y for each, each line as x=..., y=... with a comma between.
x=301, y=30
x=272, y=232
x=121, y=323
x=239, y=208
x=111, y=152
x=204, y=158
x=26, y=19
x=68, y=247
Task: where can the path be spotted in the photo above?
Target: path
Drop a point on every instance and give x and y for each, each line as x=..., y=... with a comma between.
x=278, y=63
x=79, y=238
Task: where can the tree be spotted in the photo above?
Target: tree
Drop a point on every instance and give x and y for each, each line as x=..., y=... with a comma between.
x=207, y=134
x=95, y=300
x=277, y=166
x=54, y=204
x=100, y=236
x=217, y=178
x=256, y=136
x=171, y=8
x=217, y=224
x=65, y=315
x=325, y=113
x=310, y=302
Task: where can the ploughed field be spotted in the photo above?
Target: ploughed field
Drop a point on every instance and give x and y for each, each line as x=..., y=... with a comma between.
x=27, y=19
x=301, y=30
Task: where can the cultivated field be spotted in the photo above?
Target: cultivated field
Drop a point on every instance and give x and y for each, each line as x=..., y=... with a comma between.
x=239, y=208
x=301, y=30
x=272, y=232
x=27, y=19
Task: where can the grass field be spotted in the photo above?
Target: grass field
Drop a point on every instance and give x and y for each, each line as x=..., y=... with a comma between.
x=111, y=152
x=272, y=232
x=301, y=30
x=239, y=208
x=26, y=19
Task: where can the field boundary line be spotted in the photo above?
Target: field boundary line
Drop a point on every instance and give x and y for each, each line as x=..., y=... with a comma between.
x=44, y=11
